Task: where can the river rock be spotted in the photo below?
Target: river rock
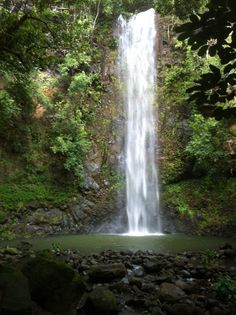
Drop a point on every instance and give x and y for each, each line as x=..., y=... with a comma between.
x=101, y=301
x=229, y=253
x=107, y=273
x=182, y=285
x=14, y=292
x=54, y=285
x=183, y=309
x=153, y=266
x=136, y=281
x=184, y=273
x=10, y=251
x=138, y=271
x=170, y=292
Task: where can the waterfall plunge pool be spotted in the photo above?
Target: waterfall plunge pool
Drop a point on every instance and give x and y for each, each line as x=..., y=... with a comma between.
x=95, y=243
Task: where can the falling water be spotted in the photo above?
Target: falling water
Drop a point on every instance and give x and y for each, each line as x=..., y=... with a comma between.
x=138, y=73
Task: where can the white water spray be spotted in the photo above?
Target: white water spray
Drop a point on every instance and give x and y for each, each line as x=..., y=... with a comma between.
x=138, y=73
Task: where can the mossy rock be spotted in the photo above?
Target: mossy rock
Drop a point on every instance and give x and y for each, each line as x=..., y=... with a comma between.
x=54, y=286
x=232, y=129
x=101, y=301
x=40, y=218
x=3, y=216
x=11, y=251
x=14, y=292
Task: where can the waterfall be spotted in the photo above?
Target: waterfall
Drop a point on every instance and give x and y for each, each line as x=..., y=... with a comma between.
x=137, y=69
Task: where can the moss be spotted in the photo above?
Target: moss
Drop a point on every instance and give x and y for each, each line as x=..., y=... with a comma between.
x=6, y=232
x=211, y=204
x=14, y=292
x=11, y=251
x=53, y=285
x=40, y=218
x=101, y=301
x=3, y=216
x=15, y=196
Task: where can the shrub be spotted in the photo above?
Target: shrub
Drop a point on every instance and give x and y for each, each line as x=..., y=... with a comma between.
x=226, y=288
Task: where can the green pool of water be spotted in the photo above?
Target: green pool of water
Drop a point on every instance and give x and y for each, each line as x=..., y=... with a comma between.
x=95, y=243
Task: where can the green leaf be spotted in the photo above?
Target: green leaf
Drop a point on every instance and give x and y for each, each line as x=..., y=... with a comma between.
x=202, y=51
x=194, y=18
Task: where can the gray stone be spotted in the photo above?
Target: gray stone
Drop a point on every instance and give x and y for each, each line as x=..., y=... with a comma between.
x=215, y=311
x=138, y=271
x=182, y=284
x=93, y=167
x=183, y=309
x=149, y=287
x=89, y=183
x=229, y=253
x=42, y=217
x=170, y=292
x=107, y=273
x=185, y=273
x=232, y=271
x=136, y=281
x=153, y=266
x=101, y=301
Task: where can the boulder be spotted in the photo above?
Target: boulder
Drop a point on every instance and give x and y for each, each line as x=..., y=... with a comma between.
x=107, y=273
x=182, y=284
x=54, y=285
x=11, y=251
x=14, y=292
x=183, y=309
x=153, y=266
x=229, y=253
x=101, y=301
x=170, y=292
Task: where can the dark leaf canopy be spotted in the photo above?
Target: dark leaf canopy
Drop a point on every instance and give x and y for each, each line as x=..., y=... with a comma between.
x=213, y=32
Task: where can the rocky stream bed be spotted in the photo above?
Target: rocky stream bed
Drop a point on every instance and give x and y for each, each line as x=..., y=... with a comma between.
x=124, y=283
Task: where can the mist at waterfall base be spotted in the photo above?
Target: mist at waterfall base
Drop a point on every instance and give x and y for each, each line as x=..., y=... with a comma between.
x=137, y=74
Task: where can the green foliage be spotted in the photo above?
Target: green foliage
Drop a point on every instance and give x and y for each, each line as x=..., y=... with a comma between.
x=211, y=201
x=70, y=138
x=79, y=83
x=59, y=37
x=211, y=258
x=18, y=101
x=32, y=33
x=206, y=145
x=212, y=32
x=226, y=288
x=174, y=111
x=56, y=247
x=174, y=196
x=73, y=61
x=174, y=164
x=3, y=216
x=203, y=140
x=181, y=76
x=179, y=8
x=16, y=196
x=8, y=108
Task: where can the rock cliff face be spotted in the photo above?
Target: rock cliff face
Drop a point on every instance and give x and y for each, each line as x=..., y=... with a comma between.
x=100, y=205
